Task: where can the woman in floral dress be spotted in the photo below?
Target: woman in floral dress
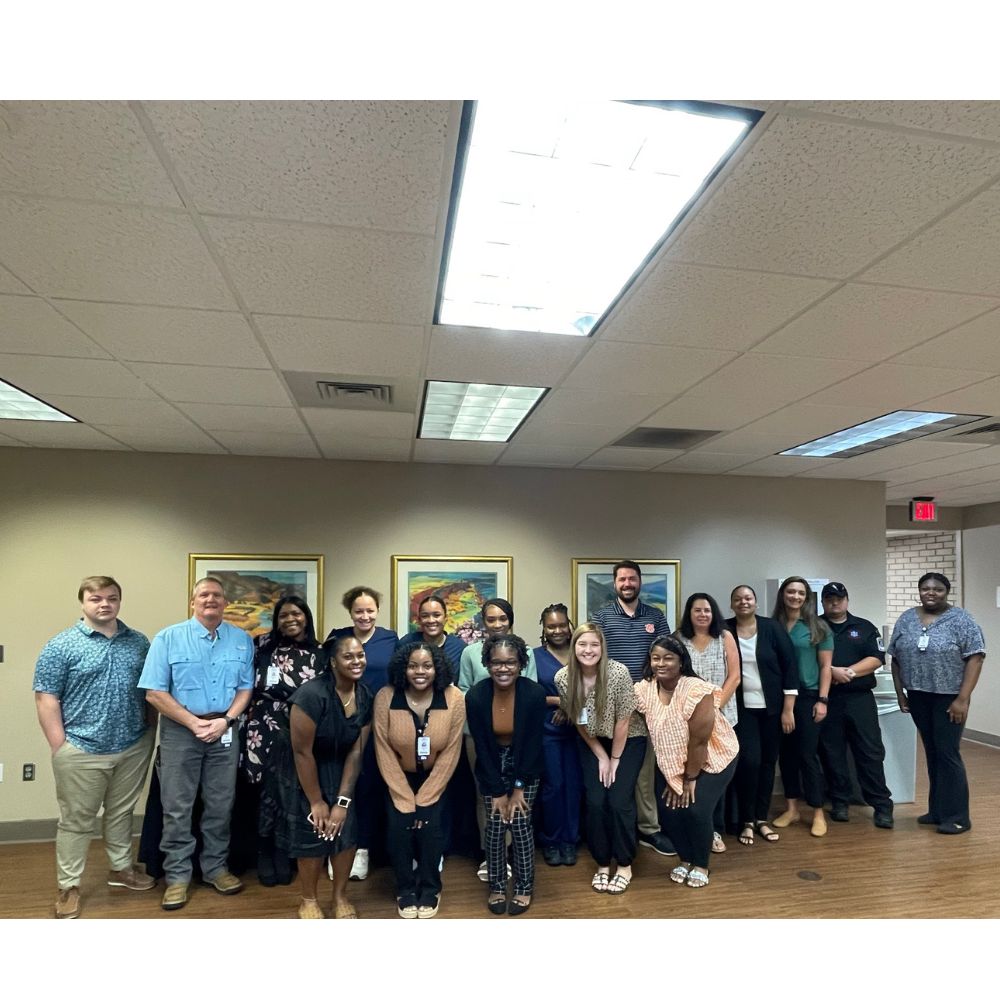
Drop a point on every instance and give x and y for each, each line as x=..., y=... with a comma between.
x=287, y=657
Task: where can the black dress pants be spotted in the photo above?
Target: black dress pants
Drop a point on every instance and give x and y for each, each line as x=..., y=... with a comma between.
x=611, y=816
x=799, y=756
x=852, y=721
x=948, y=801
x=690, y=829
x=759, y=735
x=420, y=885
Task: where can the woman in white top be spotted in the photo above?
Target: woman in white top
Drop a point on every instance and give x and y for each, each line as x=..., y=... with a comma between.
x=715, y=659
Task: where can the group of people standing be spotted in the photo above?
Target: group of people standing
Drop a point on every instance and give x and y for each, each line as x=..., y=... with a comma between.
x=353, y=743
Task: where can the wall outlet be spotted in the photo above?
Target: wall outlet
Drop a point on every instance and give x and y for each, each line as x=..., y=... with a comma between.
x=28, y=772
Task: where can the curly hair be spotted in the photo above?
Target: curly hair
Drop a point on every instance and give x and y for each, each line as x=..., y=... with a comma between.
x=672, y=645
x=401, y=659
x=350, y=596
x=515, y=642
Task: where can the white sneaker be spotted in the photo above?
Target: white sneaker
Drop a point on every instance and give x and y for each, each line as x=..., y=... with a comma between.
x=483, y=873
x=359, y=870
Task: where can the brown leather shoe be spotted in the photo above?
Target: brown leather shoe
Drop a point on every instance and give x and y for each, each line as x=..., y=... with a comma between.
x=175, y=896
x=131, y=878
x=68, y=903
x=225, y=882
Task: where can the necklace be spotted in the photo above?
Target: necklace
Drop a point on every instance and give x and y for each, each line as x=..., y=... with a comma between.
x=747, y=631
x=346, y=704
x=419, y=706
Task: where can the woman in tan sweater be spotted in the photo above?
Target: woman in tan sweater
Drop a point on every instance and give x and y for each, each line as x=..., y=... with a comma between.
x=417, y=723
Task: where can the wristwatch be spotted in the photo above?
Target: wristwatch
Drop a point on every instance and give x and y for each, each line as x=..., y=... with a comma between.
x=229, y=722
x=823, y=700
x=343, y=801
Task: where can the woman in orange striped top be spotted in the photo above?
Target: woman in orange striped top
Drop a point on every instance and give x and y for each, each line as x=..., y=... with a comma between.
x=696, y=752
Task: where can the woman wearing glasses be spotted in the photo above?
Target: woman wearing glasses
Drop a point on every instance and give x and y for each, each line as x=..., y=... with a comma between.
x=506, y=714
x=937, y=655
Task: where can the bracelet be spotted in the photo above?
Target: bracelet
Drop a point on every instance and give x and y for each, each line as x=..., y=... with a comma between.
x=343, y=801
x=687, y=778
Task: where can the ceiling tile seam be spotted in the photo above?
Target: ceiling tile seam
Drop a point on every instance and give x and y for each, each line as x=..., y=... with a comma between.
x=137, y=305
x=280, y=220
x=33, y=444
x=162, y=155
x=830, y=118
x=691, y=212
x=65, y=199
x=990, y=297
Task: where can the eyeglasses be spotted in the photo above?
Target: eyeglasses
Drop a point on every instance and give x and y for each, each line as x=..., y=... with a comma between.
x=504, y=663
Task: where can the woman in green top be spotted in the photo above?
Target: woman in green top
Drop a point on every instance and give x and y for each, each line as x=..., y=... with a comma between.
x=795, y=608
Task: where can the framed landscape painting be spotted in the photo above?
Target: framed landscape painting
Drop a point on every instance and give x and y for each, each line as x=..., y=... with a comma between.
x=253, y=584
x=462, y=582
x=592, y=586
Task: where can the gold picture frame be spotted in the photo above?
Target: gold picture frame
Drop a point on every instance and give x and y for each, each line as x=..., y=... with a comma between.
x=590, y=580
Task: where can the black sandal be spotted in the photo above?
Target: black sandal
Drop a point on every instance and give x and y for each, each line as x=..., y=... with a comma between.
x=515, y=908
x=746, y=835
x=764, y=829
x=497, y=903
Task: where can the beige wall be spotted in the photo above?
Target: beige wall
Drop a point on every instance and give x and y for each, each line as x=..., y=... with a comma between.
x=981, y=560
x=66, y=514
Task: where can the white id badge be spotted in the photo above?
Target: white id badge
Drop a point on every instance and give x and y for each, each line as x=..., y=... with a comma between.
x=423, y=747
x=923, y=642
x=583, y=716
x=227, y=738
x=273, y=675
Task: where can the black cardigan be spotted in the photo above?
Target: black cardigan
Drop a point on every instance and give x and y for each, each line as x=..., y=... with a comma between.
x=529, y=722
x=776, y=662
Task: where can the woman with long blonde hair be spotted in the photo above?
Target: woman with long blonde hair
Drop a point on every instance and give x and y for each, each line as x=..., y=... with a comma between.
x=597, y=696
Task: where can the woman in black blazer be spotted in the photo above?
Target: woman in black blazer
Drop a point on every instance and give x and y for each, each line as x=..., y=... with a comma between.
x=765, y=701
x=506, y=717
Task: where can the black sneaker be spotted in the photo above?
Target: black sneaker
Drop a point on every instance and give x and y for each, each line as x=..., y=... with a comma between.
x=838, y=813
x=659, y=842
x=568, y=854
x=552, y=856
x=883, y=819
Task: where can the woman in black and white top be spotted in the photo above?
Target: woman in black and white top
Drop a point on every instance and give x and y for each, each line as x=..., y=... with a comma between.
x=765, y=702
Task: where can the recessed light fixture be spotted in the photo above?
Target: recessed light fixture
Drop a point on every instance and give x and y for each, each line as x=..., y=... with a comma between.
x=563, y=202
x=18, y=405
x=475, y=411
x=893, y=428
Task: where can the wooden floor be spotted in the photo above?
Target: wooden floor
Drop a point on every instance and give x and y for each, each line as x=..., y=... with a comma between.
x=911, y=871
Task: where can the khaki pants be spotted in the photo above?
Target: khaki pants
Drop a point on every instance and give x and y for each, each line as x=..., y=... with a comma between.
x=85, y=782
x=645, y=794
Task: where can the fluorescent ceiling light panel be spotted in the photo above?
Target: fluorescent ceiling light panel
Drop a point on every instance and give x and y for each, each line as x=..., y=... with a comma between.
x=473, y=411
x=563, y=202
x=893, y=428
x=18, y=405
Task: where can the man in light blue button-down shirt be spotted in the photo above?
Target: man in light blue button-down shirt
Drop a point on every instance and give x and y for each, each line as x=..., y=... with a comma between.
x=199, y=676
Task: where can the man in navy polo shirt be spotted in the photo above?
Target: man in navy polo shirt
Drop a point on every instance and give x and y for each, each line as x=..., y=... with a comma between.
x=852, y=715
x=629, y=628
x=199, y=677
x=101, y=735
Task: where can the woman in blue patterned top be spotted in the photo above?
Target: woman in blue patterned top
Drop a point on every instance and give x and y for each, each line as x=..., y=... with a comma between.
x=937, y=655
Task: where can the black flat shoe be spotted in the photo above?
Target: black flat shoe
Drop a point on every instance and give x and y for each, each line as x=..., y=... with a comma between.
x=953, y=828
x=883, y=820
x=927, y=820
x=552, y=856
x=265, y=870
x=839, y=814
x=568, y=854
x=497, y=906
x=515, y=909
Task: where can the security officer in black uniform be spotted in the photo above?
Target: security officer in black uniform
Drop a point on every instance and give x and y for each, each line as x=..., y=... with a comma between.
x=852, y=716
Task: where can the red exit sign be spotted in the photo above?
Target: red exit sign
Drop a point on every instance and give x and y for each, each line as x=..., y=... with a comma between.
x=922, y=510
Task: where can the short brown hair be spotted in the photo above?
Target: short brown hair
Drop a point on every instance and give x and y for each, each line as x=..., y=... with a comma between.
x=209, y=579
x=91, y=584
x=347, y=601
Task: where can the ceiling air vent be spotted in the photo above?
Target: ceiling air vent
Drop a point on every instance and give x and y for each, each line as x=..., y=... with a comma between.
x=336, y=391
x=678, y=438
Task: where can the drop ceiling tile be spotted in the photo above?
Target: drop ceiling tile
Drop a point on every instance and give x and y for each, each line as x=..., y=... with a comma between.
x=550, y=456
x=609, y=409
x=329, y=345
x=750, y=443
x=702, y=462
x=811, y=421
x=824, y=198
x=109, y=252
x=630, y=458
x=894, y=457
x=966, y=460
x=710, y=307
x=172, y=336
x=870, y=323
x=370, y=164
x=974, y=119
x=9, y=442
x=976, y=345
x=42, y=434
x=190, y=384
x=895, y=387
x=538, y=431
x=983, y=397
x=72, y=377
x=932, y=485
x=644, y=368
x=353, y=274
x=122, y=412
x=777, y=379
x=698, y=412
x=365, y=449
x=246, y=419
x=780, y=466
x=275, y=444
x=347, y=424
x=31, y=326
x=9, y=285
x=960, y=253
x=110, y=157
x=176, y=440
x=502, y=357
x=458, y=452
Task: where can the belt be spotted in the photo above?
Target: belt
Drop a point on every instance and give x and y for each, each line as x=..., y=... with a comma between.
x=211, y=715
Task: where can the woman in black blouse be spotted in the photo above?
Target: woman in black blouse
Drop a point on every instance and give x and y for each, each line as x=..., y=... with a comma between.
x=765, y=702
x=330, y=722
x=506, y=716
